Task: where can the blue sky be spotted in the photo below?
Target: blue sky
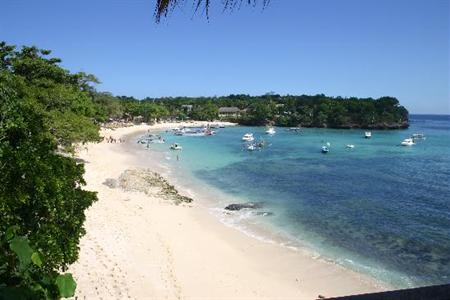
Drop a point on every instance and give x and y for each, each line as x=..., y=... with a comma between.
x=364, y=48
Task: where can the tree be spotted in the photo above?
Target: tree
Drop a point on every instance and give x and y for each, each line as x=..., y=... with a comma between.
x=164, y=7
x=42, y=201
x=206, y=112
x=64, y=98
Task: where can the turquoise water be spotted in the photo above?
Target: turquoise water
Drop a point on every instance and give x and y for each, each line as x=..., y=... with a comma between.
x=379, y=208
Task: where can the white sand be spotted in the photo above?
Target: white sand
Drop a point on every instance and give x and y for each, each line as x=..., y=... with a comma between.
x=140, y=247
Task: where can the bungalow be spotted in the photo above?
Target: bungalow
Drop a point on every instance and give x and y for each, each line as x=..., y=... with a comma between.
x=187, y=108
x=229, y=112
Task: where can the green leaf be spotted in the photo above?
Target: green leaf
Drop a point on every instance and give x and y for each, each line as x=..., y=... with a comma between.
x=36, y=259
x=11, y=232
x=20, y=246
x=66, y=285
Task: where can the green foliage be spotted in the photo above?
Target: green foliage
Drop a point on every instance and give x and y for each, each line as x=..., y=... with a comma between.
x=66, y=285
x=64, y=99
x=206, y=112
x=19, y=245
x=34, y=282
x=42, y=108
x=307, y=111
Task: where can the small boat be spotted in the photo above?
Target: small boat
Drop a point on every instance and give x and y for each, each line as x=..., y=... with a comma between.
x=221, y=126
x=407, y=142
x=176, y=147
x=261, y=144
x=251, y=147
x=325, y=149
x=271, y=131
x=248, y=137
x=418, y=136
x=367, y=134
x=350, y=146
x=209, y=132
x=294, y=129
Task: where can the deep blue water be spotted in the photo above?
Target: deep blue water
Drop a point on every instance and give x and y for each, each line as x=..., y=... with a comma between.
x=379, y=208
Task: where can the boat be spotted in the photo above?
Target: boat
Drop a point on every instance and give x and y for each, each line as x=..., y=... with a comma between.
x=261, y=144
x=195, y=131
x=271, y=131
x=325, y=149
x=209, y=131
x=349, y=146
x=176, y=147
x=294, y=129
x=151, y=139
x=251, y=147
x=407, y=142
x=418, y=136
x=367, y=134
x=248, y=137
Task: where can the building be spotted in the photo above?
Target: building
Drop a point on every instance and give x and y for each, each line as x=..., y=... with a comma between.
x=187, y=108
x=229, y=112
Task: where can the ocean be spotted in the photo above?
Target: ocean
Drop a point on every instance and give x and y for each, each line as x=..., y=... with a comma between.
x=380, y=208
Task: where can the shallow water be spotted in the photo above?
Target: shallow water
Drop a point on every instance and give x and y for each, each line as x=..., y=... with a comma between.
x=380, y=208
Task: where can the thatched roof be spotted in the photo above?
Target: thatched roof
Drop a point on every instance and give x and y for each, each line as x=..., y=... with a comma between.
x=225, y=110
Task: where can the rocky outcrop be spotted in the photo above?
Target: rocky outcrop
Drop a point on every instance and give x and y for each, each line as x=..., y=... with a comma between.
x=148, y=182
x=239, y=206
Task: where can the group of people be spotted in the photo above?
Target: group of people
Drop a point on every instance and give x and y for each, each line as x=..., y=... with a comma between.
x=110, y=139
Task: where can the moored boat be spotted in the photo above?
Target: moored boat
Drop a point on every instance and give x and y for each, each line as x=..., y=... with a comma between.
x=407, y=142
x=325, y=149
x=418, y=136
x=367, y=134
x=176, y=146
x=294, y=129
x=251, y=147
x=270, y=131
x=248, y=137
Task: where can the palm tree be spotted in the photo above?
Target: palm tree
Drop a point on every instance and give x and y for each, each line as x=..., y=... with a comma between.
x=164, y=7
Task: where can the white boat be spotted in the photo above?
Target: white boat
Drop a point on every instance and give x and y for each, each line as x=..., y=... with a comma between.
x=251, y=147
x=248, y=137
x=176, y=147
x=350, y=146
x=325, y=149
x=270, y=131
x=194, y=131
x=294, y=129
x=418, y=136
x=367, y=134
x=208, y=131
x=407, y=142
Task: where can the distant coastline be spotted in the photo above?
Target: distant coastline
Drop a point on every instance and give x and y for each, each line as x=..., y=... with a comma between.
x=318, y=111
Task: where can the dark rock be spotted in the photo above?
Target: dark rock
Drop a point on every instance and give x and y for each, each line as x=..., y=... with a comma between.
x=239, y=206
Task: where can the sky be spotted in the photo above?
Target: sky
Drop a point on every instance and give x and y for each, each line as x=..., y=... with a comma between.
x=362, y=48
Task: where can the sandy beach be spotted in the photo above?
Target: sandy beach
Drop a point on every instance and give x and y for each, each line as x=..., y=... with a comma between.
x=140, y=245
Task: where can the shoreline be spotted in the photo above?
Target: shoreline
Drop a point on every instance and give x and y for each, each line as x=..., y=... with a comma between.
x=138, y=246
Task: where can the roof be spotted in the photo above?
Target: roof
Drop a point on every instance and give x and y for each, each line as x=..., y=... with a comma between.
x=229, y=110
